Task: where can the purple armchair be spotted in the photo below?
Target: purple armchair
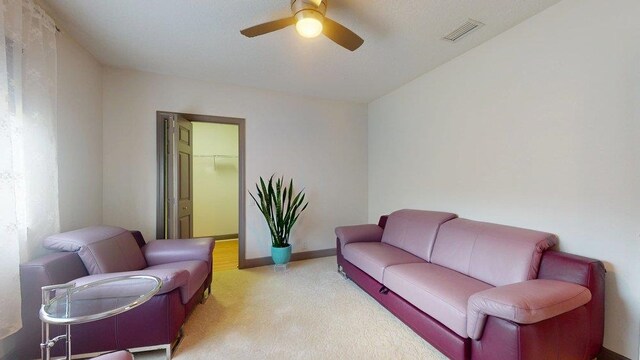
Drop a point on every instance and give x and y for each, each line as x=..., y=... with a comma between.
x=94, y=253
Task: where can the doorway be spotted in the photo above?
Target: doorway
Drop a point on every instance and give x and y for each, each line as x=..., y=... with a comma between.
x=200, y=180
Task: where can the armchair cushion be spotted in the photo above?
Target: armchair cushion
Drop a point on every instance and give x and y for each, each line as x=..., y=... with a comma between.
x=358, y=233
x=526, y=302
x=102, y=249
x=197, y=270
x=158, y=252
x=171, y=279
x=117, y=355
x=187, y=276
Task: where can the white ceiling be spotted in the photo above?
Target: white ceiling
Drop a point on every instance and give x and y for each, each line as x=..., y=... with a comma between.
x=202, y=40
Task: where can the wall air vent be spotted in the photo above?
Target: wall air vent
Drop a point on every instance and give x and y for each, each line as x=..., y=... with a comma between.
x=463, y=30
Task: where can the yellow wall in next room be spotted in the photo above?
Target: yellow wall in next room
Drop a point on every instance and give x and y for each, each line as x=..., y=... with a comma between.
x=215, y=179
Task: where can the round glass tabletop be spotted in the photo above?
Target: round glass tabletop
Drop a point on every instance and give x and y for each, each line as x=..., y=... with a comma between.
x=99, y=299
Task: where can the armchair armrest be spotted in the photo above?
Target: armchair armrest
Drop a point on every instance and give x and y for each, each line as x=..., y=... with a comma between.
x=167, y=251
x=358, y=233
x=526, y=302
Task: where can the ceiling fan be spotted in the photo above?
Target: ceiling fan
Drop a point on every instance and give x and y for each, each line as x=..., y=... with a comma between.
x=310, y=20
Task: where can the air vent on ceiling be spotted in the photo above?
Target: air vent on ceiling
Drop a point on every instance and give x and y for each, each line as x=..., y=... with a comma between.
x=463, y=30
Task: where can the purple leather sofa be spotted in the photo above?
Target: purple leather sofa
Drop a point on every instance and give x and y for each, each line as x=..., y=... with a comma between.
x=94, y=253
x=477, y=290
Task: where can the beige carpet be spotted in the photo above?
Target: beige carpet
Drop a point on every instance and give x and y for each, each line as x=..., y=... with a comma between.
x=307, y=312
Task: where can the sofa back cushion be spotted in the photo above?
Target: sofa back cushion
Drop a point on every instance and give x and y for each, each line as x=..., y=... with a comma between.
x=102, y=249
x=414, y=230
x=496, y=254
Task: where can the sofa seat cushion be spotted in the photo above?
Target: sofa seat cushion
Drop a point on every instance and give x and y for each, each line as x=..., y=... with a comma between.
x=198, y=272
x=435, y=290
x=102, y=249
x=374, y=257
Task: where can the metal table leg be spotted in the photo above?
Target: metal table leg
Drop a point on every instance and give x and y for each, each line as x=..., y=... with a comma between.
x=46, y=342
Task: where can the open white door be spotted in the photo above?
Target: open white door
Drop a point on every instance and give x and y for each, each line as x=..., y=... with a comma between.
x=179, y=177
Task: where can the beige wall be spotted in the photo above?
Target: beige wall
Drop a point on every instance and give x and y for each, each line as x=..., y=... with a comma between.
x=79, y=135
x=321, y=144
x=539, y=127
x=215, y=179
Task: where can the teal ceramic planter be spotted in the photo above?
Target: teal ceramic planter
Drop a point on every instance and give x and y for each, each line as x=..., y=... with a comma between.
x=281, y=256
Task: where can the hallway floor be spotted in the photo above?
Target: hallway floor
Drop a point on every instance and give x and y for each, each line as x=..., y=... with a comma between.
x=225, y=255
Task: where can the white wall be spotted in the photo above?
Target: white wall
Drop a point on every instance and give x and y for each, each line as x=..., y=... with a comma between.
x=79, y=135
x=321, y=144
x=540, y=128
x=215, y=180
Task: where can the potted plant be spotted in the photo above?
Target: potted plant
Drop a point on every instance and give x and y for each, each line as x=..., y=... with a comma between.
x=281, y=209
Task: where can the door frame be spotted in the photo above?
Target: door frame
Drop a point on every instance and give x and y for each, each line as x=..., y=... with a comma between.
x=162, y=191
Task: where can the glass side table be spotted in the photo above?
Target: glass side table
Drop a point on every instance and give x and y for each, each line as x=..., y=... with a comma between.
x=68, y=304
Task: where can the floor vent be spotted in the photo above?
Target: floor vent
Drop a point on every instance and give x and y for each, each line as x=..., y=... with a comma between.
x=463, y=30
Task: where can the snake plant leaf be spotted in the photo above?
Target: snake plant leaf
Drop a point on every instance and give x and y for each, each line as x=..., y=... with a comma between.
x=299, y=203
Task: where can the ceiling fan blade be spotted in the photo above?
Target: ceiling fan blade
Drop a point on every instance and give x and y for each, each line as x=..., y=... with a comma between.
x=341, y=35
x=268, y=27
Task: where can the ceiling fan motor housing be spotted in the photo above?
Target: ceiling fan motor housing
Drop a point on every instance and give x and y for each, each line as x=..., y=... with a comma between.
x=308, y=16
x=309, y=9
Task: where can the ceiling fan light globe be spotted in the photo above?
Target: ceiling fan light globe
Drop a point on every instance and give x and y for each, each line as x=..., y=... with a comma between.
x=309, y=27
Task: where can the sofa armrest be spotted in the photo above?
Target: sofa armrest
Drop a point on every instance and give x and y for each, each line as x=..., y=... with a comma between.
x=358, y=233
x=526, y=302
x=158, y=252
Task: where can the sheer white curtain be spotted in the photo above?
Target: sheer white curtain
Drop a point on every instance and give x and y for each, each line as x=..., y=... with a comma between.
x=28, y=156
